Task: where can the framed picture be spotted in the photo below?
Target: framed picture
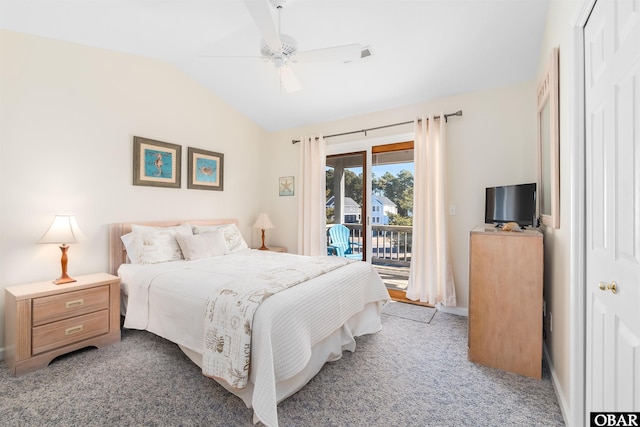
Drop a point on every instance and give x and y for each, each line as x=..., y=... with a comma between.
x=156, y=163
x=286, y=186
x=206, y=170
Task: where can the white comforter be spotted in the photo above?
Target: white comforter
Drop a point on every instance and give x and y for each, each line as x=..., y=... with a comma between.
x=169, y=300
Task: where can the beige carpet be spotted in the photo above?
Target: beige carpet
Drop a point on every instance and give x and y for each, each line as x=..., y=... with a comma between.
x=410, y=374
x=409, y=311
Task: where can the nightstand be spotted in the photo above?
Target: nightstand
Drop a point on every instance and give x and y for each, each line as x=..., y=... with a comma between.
x=44, y=321
x=277, y=249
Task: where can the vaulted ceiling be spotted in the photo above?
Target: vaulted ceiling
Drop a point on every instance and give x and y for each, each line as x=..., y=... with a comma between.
x=421, y=50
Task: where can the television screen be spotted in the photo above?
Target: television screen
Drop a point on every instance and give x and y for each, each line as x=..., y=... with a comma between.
x=511, y=203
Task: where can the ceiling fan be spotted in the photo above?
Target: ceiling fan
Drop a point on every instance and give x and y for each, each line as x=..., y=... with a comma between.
x=282, y=50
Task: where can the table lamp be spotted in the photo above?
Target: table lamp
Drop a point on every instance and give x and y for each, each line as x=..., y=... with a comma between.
x=63, y=230
x=263, y=222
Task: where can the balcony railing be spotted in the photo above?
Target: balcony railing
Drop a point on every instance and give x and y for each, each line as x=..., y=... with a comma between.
x=390, y=244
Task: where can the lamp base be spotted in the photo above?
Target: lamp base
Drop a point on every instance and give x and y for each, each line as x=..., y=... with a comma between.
x=62, y=280
x=64, y=277
x=263, y=247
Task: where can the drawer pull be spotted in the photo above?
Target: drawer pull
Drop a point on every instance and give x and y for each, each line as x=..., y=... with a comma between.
x=73, y=330
x=75, y=303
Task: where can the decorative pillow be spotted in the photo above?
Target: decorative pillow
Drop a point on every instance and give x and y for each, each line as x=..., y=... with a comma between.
x=205, y=245
x=232, y=236
x=152, y=245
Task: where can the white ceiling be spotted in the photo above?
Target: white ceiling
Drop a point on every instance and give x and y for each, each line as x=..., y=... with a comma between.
x=422, y=50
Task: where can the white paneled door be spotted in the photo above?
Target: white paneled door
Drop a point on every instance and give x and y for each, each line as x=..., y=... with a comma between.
x=612, y=96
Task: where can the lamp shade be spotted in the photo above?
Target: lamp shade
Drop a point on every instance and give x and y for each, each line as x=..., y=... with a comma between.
x=263, y=222
x=64, y=229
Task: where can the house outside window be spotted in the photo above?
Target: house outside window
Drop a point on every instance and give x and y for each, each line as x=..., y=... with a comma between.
x=352, y=212
x=381, y=207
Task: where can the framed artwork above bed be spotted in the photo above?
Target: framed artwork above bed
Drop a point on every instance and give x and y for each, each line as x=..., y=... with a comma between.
x=205, y=169
x=156, y=163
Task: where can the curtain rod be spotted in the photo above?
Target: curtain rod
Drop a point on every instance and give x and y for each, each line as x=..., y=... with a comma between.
x=446, y=118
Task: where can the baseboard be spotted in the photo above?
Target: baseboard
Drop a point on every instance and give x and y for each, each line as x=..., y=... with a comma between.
x=1, y=353
x=562, y=401
x=453, y=310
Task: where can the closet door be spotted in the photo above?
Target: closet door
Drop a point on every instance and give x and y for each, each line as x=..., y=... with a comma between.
x=612, y=98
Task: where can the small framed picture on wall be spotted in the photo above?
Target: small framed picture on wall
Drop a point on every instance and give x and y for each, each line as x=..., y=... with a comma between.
x=286, y=186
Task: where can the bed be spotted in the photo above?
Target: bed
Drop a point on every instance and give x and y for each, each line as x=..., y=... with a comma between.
x=294, y=332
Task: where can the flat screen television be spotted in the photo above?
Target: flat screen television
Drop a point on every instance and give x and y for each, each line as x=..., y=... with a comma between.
x=511, y=203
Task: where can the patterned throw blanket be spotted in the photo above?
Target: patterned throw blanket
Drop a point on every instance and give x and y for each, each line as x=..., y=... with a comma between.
x=229, y=315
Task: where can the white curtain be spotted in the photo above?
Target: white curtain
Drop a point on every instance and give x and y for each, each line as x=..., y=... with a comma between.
x=431, y=274
x=311, y=197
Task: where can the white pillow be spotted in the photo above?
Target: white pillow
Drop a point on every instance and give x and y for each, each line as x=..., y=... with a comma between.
x=127, y=241
x=232, y=236
x=205, y=245
x=152, y=245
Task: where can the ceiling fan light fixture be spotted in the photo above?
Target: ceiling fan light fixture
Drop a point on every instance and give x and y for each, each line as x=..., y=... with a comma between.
x=282, y=50
x=289, y=80
x=289, y=47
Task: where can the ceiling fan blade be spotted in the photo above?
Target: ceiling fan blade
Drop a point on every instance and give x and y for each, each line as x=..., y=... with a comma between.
x=264, y=17
x=345, y=53
x=289, y=80
x=233, y=57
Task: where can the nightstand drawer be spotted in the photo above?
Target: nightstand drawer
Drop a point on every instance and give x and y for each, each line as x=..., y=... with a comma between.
x=65, y=332
x=70, y=304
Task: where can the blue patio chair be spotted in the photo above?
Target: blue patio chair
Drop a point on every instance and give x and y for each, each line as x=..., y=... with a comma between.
x=341, y=244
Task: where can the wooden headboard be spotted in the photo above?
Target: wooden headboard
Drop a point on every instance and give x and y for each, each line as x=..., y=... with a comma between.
x=117, y=251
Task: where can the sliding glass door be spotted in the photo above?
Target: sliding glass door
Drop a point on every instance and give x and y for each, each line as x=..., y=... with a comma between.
x=392, y=174
x=375, y=203
x=346, y=198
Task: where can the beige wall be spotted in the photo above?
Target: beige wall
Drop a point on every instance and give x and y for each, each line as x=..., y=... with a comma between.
x=68, y=114
x=558, y=282
x=493, y=143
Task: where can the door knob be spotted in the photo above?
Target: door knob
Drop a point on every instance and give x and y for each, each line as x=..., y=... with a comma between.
x=608, y=286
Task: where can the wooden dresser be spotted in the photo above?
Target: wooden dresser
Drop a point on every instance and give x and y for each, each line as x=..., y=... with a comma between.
x=44, y=321
x=505, y=299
